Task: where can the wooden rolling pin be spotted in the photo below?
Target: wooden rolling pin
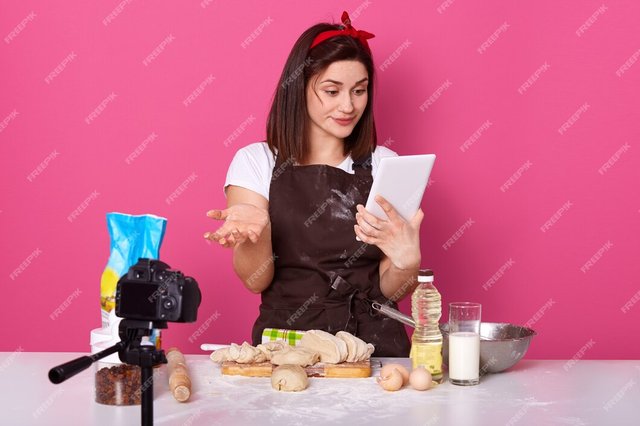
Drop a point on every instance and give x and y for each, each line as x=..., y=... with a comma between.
x=179, y=382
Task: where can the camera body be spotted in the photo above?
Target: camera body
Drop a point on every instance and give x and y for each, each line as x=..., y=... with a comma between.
x=152, y=291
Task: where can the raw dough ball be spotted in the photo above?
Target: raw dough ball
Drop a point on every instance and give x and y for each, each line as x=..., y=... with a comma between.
x=357, y=349
x=332, y=350
x=220, y=356
x=289, y=378
x=297, y=356
x=246, y=354
x=243, y=354
x=270, y=348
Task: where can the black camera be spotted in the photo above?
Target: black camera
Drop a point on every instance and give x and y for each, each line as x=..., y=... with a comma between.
x=152, y=291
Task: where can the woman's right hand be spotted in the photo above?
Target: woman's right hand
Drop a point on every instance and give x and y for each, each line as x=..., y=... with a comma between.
x=242, y=222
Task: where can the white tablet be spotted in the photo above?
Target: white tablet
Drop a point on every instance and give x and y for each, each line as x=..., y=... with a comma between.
x=401, y=181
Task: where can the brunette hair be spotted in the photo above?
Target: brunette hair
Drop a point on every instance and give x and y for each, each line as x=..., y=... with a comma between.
x=288, y=119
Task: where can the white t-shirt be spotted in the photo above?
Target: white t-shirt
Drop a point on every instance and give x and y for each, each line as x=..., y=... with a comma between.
x=252, y=166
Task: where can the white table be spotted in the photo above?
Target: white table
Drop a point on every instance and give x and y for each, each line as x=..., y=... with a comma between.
x=532, y=393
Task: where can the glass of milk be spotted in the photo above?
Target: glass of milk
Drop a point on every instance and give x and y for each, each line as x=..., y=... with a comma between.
x=464, y=343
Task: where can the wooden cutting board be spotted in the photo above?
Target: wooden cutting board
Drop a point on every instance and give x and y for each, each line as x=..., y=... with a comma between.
x=264, y=369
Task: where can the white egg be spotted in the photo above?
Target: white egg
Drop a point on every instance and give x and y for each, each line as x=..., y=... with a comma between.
x=420, y=379
x=388, y=368
x=392, y=381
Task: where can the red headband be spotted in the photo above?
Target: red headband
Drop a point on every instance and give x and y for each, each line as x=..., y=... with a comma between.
x=348, y=30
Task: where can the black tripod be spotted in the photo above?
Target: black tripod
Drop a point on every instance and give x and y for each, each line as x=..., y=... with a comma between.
x=131, y=351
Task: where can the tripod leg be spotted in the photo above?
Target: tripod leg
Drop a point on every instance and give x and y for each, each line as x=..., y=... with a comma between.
x=147, y=396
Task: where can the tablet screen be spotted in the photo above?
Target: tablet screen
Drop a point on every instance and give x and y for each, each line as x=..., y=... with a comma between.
x=401, y=181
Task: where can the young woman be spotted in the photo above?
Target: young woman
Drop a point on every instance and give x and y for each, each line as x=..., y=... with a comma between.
x=295, y=217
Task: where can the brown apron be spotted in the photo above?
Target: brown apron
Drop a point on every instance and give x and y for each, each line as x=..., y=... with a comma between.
x=324, y=279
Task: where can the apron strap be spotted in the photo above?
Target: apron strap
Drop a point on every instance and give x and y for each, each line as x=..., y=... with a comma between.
x=352, y=295
x=362, y=166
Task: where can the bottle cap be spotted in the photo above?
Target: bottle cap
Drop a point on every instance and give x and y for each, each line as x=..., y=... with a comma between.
x=425, y=276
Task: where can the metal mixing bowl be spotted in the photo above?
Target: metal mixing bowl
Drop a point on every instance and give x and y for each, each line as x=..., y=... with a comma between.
x=502, y=345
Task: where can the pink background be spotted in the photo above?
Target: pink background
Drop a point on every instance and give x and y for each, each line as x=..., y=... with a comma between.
x=576, y=313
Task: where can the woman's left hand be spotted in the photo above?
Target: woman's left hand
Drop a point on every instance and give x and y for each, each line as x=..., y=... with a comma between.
x=398, y=239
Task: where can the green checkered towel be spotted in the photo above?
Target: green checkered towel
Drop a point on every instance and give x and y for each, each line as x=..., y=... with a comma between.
x=292, y=337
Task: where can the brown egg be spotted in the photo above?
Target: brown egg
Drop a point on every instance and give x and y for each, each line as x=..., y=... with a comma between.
x=420, y=379
x=392, y=381
x=388, y=368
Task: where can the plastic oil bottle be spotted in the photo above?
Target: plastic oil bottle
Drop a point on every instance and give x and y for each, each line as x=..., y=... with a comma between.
x=426, y=309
